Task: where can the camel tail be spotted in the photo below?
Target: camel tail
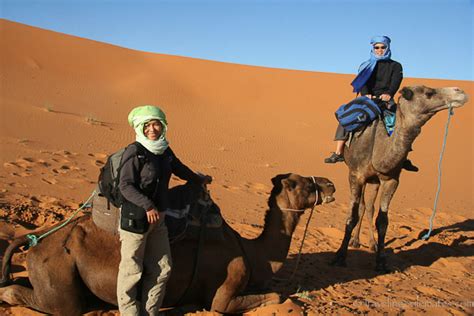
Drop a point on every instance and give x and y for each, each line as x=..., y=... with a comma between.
x=5, y=278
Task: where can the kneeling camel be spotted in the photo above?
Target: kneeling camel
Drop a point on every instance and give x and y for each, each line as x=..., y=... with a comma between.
x=81, y=257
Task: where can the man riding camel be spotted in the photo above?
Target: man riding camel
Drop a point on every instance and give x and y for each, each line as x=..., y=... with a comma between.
x=379, y=78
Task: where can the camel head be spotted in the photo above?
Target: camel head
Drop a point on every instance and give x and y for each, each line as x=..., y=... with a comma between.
x=292, y=191
x=418, y=104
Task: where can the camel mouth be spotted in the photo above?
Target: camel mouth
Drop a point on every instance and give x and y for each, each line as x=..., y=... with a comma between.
x=453, y=105
x=457, y=99
x=328, y=199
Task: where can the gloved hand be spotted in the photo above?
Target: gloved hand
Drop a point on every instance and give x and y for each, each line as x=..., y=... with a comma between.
x=206, y=179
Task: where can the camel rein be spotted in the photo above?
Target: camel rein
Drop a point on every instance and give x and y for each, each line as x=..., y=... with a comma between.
x=33, y=239
x=450, y=113
x=304, y=234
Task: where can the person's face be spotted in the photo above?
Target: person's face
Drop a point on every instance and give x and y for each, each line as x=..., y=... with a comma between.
x=152, y=129
x=379, y=49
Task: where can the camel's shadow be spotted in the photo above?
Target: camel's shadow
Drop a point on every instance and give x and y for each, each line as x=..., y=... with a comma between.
x=314, y=271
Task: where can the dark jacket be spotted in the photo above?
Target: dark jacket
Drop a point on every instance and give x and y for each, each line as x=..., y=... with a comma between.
x=149, y=188
x=386, y=78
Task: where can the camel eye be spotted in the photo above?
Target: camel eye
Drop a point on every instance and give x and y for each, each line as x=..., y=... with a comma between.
x=430, y=93
x=291, y=184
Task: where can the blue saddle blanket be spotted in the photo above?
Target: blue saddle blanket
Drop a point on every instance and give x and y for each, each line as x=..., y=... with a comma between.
x=357, y=113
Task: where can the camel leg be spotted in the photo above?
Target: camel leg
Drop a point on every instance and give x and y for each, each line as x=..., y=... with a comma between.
x=19, y=295
x=356, y=192
x=371, y=194
x=354, y=242
x=388, y=189
x=243, y=303
x=237, y=278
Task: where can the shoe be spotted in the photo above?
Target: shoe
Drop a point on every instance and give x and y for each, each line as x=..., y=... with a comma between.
x=407, y=165
x=334, y=158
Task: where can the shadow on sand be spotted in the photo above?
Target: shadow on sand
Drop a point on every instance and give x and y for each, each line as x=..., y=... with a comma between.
x=314, y=271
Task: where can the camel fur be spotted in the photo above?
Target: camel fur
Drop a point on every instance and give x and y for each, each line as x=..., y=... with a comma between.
x=375, y=162
x=82, y=258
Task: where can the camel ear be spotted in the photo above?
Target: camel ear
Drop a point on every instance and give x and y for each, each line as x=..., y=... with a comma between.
x=289, y=184
x=407, y=93
x=278, y=179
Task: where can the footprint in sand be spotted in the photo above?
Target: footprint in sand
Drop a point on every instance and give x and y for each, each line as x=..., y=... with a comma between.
x=9, y=165
x=49, y=181
x=44, y=163
x=256, y=188
x=99, y=159
x=98, y=163
x=63, y=153
x=17, y=185
x=62, y=170
x=21, y=174
x=230, y=187
x=98, y=155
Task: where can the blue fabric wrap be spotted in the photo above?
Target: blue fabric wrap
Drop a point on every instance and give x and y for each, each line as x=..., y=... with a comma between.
x=389, y=119
x=368, y=66
x=357, y=113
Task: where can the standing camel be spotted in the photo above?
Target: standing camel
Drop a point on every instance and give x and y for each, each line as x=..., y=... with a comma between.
x=375, y=161
x=81, y=258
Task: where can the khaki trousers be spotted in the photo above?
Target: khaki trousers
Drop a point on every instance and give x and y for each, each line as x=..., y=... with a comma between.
x=144, y=257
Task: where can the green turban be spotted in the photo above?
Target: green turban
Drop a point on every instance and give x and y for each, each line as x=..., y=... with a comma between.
x=143, y=114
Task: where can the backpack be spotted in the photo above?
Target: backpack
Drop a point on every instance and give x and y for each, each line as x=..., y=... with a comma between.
x=109, y=175
x=357, y=113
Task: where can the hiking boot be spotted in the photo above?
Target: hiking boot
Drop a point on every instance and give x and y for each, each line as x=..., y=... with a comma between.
x=334, y=158
x=407, y=165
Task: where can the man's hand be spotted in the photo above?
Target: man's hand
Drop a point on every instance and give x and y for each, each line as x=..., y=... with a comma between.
x=206, y=179
x=385, y=97
x=152, y=216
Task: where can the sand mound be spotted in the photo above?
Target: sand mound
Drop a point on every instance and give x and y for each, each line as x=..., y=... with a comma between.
x=64, y=102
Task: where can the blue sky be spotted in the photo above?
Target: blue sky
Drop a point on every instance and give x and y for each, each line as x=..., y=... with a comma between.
x=431, y=38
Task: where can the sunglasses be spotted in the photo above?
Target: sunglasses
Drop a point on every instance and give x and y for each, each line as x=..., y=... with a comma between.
x=380, y=47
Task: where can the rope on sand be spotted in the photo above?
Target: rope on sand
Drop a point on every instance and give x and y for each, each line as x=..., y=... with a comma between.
x=450, y=113
x=34, y=240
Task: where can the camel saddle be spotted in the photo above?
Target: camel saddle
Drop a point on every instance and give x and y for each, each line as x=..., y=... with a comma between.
x=193, y=215
x=191, y=210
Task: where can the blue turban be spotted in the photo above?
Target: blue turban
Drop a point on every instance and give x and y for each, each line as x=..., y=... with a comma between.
x=368, y=66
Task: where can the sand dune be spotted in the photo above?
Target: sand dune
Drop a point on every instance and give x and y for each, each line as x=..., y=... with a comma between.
x=64, y=102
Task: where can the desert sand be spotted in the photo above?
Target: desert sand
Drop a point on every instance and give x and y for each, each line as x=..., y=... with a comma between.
x=64, y=104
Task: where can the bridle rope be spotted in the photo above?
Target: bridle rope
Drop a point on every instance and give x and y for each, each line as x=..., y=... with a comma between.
x=305, y=231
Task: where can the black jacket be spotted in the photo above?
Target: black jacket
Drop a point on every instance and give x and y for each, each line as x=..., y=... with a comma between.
x=148, y=188
x=386, y=78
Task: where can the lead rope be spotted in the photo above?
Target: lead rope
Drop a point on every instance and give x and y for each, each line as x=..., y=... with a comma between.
x=450, y=113
x=304, y=235
x=33, y=240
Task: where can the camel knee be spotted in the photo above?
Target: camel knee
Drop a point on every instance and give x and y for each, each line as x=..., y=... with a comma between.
x=240, y=304
x=382, y=221
x=19, y=295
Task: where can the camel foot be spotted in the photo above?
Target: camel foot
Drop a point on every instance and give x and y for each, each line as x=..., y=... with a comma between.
x=339, y=260
x=373, y=247
x=354, y=243
x=381, y=266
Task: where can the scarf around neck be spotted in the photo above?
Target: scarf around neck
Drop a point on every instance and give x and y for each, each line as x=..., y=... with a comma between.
x=138, y=117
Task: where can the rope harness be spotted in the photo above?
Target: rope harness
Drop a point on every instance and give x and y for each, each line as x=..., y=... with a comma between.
x=450, y=113
x=304, y=234
x=33, y=240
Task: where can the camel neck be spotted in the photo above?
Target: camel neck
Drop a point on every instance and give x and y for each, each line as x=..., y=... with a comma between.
x=276, y=235
x=398, y=145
